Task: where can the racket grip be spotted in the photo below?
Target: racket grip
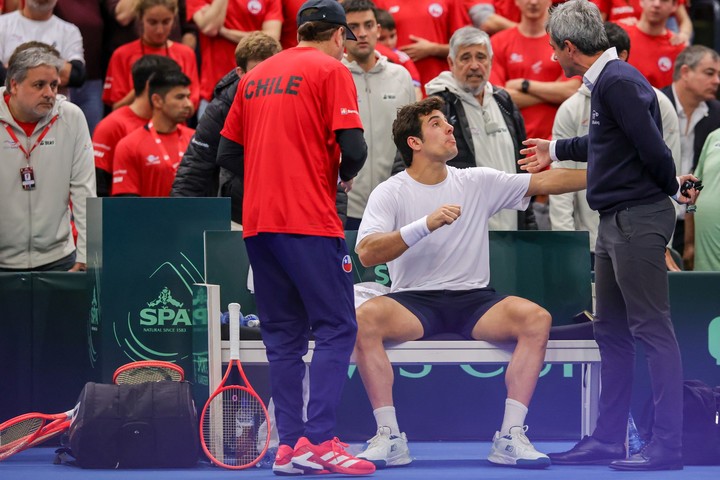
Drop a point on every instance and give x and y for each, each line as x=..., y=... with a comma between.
x=234, y=312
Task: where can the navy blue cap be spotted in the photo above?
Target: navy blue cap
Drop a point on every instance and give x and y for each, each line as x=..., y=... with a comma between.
x=329, y=11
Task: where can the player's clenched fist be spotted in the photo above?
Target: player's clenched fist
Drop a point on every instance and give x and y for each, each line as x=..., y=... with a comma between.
x=444, y=215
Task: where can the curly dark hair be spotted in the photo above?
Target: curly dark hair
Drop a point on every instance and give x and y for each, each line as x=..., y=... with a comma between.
x=408, y=124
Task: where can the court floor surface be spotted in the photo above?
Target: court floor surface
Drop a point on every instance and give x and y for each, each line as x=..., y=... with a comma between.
x=432, y=461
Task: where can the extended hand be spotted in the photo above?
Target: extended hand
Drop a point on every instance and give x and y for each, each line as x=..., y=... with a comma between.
x=444, y=215
x=537, y=155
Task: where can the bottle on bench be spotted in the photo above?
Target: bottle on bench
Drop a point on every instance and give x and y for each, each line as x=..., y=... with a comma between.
x=250, y=320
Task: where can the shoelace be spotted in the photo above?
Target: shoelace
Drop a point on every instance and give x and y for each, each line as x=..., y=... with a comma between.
x=338, y=447
x=379, y=435
x=522, y=437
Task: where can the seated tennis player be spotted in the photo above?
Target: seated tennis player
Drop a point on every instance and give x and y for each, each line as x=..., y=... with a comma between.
x=429, y=224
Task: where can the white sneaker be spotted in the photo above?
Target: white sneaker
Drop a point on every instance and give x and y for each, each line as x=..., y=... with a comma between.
x=385, y=450
x=515, y=450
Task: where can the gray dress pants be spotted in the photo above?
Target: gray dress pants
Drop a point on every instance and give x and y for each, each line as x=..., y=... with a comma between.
x=633, y=306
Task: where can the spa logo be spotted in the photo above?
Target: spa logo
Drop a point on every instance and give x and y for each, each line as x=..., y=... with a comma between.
x=165, y=311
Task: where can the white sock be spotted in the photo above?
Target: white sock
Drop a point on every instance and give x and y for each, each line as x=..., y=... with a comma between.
x=515, y=413
x=385, y=417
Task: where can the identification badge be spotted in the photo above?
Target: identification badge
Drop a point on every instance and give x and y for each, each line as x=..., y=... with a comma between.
x=27, y=178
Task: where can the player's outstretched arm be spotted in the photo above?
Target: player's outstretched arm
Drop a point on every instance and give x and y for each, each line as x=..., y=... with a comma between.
x=557, y=180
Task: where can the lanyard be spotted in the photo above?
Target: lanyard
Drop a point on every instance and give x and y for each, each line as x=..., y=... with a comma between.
x=142, y=48
x=163, y=151
x=37, y=142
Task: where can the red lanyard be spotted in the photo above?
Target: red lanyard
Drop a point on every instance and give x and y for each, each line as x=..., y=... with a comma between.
x=160, y=145
x=37, y=142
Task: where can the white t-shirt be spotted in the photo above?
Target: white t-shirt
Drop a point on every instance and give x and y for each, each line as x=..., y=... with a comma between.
x=453, y=257
x=16, y=30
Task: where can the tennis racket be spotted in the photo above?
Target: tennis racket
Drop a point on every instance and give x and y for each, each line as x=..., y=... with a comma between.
x=30, y=429
x=234, y=414
x=148, y=371
x=49, y=431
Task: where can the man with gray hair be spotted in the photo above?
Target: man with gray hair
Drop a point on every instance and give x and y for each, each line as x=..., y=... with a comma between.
x=570, y=211
x=47, y=162
x=488, y=126
x=631, y=176
x=695, y=84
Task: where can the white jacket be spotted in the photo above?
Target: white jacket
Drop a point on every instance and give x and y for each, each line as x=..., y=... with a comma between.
x=570, y=211
x=381, y=91
x=35, y=224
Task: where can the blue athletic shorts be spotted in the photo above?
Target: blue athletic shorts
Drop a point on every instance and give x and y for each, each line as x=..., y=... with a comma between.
x=448, y=311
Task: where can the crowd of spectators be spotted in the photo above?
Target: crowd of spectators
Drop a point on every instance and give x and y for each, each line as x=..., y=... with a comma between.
x=497, y=93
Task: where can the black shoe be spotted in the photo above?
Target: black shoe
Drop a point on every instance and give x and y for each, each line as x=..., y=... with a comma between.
x=652, y=457
x=589, y=451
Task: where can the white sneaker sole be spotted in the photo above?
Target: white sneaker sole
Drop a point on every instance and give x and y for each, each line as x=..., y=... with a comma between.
x=286, y=470
x=395, y=461
x=505, y=461
x=304, y=464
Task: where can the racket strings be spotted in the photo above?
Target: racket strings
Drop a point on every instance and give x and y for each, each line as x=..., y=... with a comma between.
x=17, y=431
x=134, y=376
x=50, y=431
x=230, y=427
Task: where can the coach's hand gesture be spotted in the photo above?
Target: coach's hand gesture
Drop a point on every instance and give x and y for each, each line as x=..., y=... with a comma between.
x=537, y=155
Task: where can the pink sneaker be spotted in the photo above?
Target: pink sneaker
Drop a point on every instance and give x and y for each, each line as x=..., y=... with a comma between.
x=329, y=455
x=283, y=462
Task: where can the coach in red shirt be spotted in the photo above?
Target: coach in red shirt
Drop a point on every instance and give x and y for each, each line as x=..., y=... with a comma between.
x=293, y=115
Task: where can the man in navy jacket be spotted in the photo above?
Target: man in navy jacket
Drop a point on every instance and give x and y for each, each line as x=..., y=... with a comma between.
x=631, y=176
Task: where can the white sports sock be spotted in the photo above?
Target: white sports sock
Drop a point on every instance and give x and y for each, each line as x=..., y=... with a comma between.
x=385, y=417
x=515, y=413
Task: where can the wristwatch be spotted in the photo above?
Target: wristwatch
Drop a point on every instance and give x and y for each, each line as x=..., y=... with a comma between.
x=525, y=86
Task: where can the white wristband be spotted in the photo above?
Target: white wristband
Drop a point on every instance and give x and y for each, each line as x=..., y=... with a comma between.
x=415, y=231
